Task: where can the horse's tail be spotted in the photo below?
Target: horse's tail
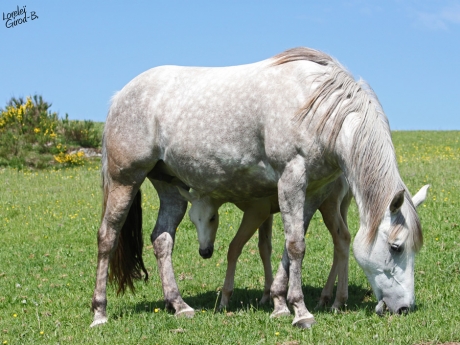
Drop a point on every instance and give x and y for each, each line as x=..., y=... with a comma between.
x=125, y=264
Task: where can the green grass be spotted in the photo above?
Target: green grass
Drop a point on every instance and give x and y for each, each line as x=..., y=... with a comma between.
x=48, y=225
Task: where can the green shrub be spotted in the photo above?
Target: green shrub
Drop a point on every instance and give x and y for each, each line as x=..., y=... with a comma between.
x=81, y=133
x=33, y=136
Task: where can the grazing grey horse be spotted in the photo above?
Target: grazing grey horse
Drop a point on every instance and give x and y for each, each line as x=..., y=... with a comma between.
x=333, y=204
x=288, y=125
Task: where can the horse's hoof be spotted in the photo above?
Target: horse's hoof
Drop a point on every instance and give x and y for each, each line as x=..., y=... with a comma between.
x=264, y=299
x=337, y=308
x=304, y=323
x=320, y=306
x=280, y=313
x=186, y=312
x=221, y=308
x=98, y=321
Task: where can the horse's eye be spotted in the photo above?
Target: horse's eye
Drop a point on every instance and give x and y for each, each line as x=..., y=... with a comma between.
x=396, y=248
x=213, y=218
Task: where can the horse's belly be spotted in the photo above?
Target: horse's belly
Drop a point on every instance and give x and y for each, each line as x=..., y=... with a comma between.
x=230, y=180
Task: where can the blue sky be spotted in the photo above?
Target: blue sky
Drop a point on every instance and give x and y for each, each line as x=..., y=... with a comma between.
x=78, y=54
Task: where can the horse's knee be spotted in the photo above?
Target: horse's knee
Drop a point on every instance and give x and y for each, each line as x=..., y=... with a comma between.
x=278, y=289
x=296, y=249
x=234, y=250
x=106, y=240
x=343, y=241
x=162, y=245
x=346, y=237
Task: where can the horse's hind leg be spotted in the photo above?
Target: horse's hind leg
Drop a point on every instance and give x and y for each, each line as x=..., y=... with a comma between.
x=265, y=251
x=172, y=210
x=118, y=200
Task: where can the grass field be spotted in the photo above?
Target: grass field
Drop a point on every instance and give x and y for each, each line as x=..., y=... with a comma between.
x=48, y=225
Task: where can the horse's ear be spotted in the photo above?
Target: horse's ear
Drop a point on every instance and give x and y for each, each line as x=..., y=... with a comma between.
x=397, y=201
x=421, y=195
x=185, y=194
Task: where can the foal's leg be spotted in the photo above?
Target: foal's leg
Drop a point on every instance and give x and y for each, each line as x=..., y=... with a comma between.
x=341, y=239
x=265, y=251
x=254, y=215
x=172, y=210
x=291, y=194
x=342, y=286
x=334, y=210
x=118, y=201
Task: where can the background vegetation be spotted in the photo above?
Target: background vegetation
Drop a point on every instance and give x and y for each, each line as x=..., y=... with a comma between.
x=33, y=136
x=48, y=225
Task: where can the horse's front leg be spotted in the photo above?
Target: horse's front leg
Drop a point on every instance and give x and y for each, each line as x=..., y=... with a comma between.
x=254, y=215
x=291, y=194
x=278, y=290
x=170, y=214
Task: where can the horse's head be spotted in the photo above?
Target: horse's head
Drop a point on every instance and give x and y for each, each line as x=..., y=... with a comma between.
x=388, y=261
x=204, y=213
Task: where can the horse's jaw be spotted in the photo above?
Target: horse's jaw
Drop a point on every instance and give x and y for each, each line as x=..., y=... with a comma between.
x=391, y=277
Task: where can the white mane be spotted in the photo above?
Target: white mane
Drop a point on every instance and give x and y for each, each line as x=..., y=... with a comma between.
x=373, y=171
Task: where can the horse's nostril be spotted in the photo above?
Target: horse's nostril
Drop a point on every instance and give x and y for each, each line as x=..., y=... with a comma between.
x=403, y=310
x=206, y=253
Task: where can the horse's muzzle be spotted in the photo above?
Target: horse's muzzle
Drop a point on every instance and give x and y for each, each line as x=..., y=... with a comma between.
x=207, y=252
x=403, y=310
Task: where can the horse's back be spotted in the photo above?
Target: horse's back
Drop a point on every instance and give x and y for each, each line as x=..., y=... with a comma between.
x=213, y=125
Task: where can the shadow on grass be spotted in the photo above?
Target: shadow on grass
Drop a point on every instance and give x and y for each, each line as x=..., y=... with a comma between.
x=248, y=299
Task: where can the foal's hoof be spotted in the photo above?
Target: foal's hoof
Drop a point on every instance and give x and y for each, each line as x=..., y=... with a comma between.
x=337, y=308
x=186, y=312
x=323, y=303
x=304, y=323
x=221, y=308
x=265, y=298
x=320, y=306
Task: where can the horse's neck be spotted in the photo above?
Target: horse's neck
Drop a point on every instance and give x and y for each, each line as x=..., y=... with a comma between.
x=373, y=180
